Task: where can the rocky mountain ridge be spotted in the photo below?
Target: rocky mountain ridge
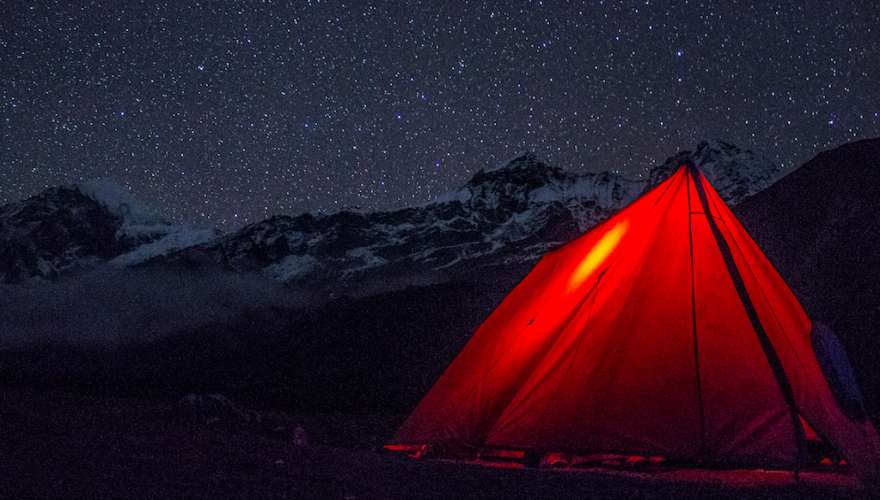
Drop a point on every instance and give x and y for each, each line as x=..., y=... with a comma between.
x=502, y=218
x=68, y=228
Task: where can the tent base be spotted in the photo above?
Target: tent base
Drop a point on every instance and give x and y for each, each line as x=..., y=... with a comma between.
x=818, y=461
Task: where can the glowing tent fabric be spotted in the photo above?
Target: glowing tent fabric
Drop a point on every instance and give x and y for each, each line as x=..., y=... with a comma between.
x=663, y=331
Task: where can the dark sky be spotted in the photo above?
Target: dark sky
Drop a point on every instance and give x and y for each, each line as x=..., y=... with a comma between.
x=226, y=112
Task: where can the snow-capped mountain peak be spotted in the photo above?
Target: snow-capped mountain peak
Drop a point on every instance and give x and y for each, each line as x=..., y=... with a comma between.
x=139, y=221
x=734, y=172
x=148, y=233
x=120, y=202
x=525, y=181
x=73, y=227
x=502, y=218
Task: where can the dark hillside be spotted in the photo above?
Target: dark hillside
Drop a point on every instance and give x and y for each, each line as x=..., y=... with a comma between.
x=820, y=226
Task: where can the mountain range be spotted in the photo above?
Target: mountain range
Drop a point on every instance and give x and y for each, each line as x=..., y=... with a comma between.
x=501, y=221
x=66, y=229
x=406, y=288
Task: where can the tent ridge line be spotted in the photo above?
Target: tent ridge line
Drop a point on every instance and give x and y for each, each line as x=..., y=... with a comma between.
x=702, y=449
x=764, y=340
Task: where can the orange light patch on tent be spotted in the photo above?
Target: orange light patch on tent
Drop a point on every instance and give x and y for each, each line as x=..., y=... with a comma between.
x=597, y=255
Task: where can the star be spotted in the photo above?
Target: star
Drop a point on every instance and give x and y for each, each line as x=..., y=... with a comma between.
x=226, y=113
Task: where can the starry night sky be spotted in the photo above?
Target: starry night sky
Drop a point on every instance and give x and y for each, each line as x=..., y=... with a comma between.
x=226, y=112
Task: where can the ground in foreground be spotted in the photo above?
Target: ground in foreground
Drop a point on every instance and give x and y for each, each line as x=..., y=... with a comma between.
x=57, y=444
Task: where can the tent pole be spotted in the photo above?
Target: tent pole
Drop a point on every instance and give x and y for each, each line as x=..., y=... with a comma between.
x=702, y=450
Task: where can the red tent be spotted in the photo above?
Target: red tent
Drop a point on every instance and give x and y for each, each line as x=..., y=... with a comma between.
x=663, y=331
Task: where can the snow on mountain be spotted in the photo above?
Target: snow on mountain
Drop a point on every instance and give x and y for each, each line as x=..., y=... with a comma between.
x=502, y=217
x=171, y=239
x=142, y=224
x=735, y=173
x=505, y=217
x=72, y=227
x=121, y=203
x=508, y=215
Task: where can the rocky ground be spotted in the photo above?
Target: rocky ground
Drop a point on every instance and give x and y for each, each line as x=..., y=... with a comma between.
x=62, y=444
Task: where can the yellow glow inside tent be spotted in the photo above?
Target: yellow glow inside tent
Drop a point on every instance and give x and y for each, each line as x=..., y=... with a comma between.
x=600, y=251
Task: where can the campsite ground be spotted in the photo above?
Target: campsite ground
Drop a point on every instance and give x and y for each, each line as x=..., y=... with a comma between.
x=62, y=444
